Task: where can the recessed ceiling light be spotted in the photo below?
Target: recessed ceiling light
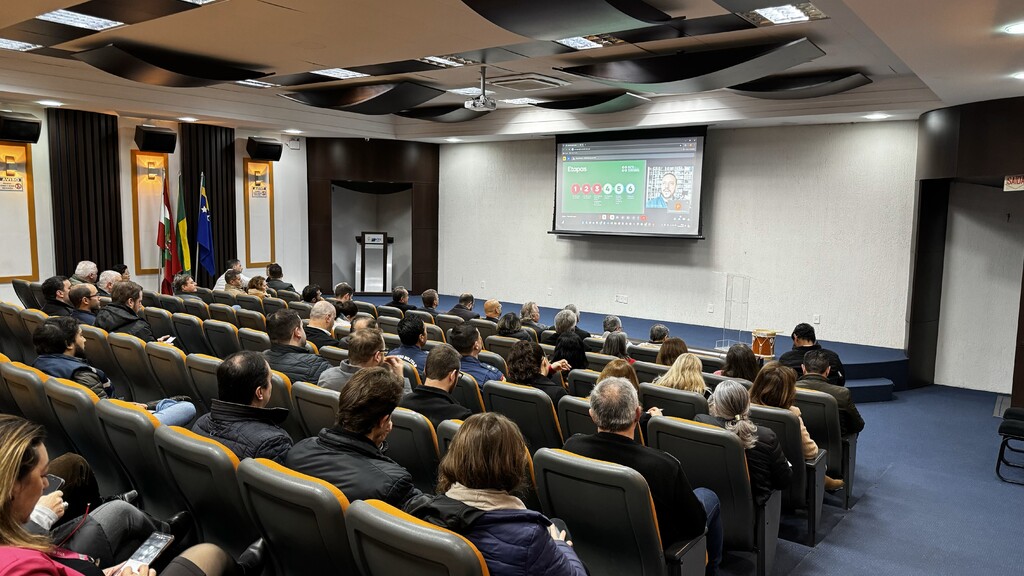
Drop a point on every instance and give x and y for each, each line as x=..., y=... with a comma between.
x=69, y=18
x=784, y=14
x=453, y=140
x=339, y=73
x=521, y=101
x=51, y=103
x=1017, y=75
x=474, y=91
x=257, y=84
x=188, y=119
x=199, y=2
x=579, y=43
x=1015, y=28
x=877, y=116
x=292, y=131
x=17, y=46
x=447, y=61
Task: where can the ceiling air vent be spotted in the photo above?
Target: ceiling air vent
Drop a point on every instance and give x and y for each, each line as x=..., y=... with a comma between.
x=528, y=82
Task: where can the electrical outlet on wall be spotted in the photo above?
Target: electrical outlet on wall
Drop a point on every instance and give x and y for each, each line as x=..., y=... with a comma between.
x=711, y=308
x=817, y=319
x=483, y=285
x=549, y=290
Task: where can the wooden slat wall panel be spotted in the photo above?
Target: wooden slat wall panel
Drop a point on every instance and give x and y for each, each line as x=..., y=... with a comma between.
x=85, y=188
x=210, y=150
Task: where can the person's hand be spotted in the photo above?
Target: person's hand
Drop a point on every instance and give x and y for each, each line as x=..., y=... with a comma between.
x=395, y=363
x=557, y=534
x=140, y=405
x=128, y=571
x=163, y=338
x=561, y=365
x=54, y=501
x=655, y=412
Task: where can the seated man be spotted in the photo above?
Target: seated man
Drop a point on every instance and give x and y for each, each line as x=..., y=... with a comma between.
x=61, y=348
x=274, y=275
x=184, y=286
x=288, y=353
x=366, y=350
x=434, y=399
x=529, y=316
x=239, y=417
x=55, y=290
x=464, y=309
x=413, y=334
x=816, y=370
x=222, y=281
x=343, y=292
x=804, y=340
x=467, y=341
x=358, y=323
x=611, y=325
x=350, y=455
x=400, y=299
x=311, y=294
x=122, y=314
x=321, y=324
x=233, y=282
x=492, y=310
x=565, y=321
x=344, y=313
x=583, y=334
x=108, y=278
x=658, y=334
x=430, y=301
x=86, y=272
x=682, y=512
x=85, y=300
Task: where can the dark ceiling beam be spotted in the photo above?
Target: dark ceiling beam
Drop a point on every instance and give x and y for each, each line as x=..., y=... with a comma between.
x=557, y=19
x=597, y=104
x=161, y=67
x=448, y=114
x=368, y=99
x=795, y=87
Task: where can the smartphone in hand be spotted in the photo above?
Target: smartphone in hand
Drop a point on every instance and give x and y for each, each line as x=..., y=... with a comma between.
x=149, y=551
x=55, y=483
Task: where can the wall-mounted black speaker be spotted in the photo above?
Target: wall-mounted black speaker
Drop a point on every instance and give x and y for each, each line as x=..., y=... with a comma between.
x=18, y=127
x=155, y=139
x=260, y=148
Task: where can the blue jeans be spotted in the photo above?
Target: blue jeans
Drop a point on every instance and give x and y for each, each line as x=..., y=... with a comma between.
x=713, y=510
x=174, y=413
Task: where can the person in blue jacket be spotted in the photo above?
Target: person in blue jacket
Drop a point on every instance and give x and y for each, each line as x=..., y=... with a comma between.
x=486, y=462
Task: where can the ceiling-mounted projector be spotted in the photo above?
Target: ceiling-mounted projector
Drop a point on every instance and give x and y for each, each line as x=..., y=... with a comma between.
x=481, y=103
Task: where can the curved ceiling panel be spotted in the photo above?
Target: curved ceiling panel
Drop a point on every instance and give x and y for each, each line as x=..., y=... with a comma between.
x=369, y=99
x=163, y=67
x=689, y=72
x=450, y=113
x=802, y=86
x=600, y=104
x=557, y=19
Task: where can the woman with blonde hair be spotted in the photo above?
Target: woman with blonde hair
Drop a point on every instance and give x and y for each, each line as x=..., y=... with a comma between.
x=685, y=374
x=486, y=464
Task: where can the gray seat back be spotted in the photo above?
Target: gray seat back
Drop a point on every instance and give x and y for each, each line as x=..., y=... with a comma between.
x=253, y=340
x=301, y=308
x=249, y=302
x=574, y=416
x=597, y=361
x=713, y=380
x=593, y=344
x=25, y=385
x=711, y=363
x=581, y=382
x=99, y=354
x=196, y=308
x=289, y=296
x=10, y=342
x=130, y=353
x=271, y=305
x=390, y=312
x=205, y=294
x=366, y=308
x=528, y=407
x=648, y=371
x=434, y=333
x=224, y=297
x=223, y=313
x=24, y=292
x=678, y=403
x=486, y=327
x=446, y=432
x=190, y=333
x=447, y=321
x=150, y=298
x=31, y=320
x=333, y=354
x=413, y=444
x=644, y=354
x=467, y=393
x=203, y=371
x=281, y=397
x=500, y=345
x=172, y=304
x=160, y=322
x=168, y=364
x=223, y=338
x=388, y=324
x=427, y=317
x=7, y=403
x=492, y=359
x=316, y=408
x=21, y=335
x=786, y=426
x=251, y=319
x=820, y=413
x=37, y=291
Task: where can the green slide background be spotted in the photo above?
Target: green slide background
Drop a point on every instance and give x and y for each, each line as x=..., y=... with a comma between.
x=604, y=172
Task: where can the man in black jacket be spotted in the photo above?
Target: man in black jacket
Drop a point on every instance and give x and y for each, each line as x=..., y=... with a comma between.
x=351, y=454
x=433, y=398
x=683, y=512
x=85, y=300
x=288, y=353
x=430, y=301
x=274, y=278
x=55, y=290
x=122, y=314
x=464, y=309
x=184, y=286
x=816, y=370
x=400, y=300
x=239, y=418
x=319, y=331
x=804, y=340
x=529, y=316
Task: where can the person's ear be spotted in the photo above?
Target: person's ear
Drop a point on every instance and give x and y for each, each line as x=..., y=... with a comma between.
x=592, y=415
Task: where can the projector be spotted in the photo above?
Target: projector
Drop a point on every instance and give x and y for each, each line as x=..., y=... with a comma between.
x=481, y=103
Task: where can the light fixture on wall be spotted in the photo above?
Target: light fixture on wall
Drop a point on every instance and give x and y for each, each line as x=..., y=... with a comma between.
x=260, y=176
x=151, y=170
x=10, y=168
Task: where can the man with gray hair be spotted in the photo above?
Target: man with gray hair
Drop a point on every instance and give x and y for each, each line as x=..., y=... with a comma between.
x=658, y=334
x=321, y=324
x=683, y=512
x=583, y=334
x=529, y=316
x=85, y=273
x=611, y=325
x=430, y=300
x=565, y=321
x=105, y=285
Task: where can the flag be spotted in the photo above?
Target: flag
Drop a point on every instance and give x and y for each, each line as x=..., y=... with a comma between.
x=165, y=240
x=205, y=235
x=181, y=251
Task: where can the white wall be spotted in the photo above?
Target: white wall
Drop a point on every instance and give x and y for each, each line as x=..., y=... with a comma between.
x=355, y=212
x=820, y=217
x=981, y=283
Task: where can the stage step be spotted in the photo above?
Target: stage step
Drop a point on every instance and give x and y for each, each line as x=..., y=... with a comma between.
x=870, y=389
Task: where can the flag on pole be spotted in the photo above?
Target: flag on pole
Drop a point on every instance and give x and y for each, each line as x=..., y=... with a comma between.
x=165, y=241
x=181, y=250
x=205, y=235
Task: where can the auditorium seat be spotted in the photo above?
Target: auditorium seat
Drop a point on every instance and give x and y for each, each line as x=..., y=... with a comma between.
x=104, y=301
x=281, y=397
x=130, y=430
x=625, y=540
x=203, y=371
x=289, y=296
x=807, y=487
x=434, y=333
x=714, y=458
x=446, y=431
x=168, y=364
x=410, y=371
x=316, y=408
x=648, y=371
x=205, y=294
x=495, y=360
x=820, y=414
x=446, y=322
x=711, y=364
x=203, y=471
x=581, y=382
x=249, y=302
x=301, y=308
x=130, y=353
x=574, y=416
x=301, y=519
x=224, y=297
x=223, y=313
x=431, y=344
x=713, y=380
x=271, y=305
x=467, y=393
x=678, y=403
x=644, y=354
x=388, y=324
x=390, y=312
x=24, y=292
x=253, y=340
x=333, y=354
x=413, y=444
x=190, y=333
x=150, y=299
x=1011, y=428
x=500, y=345
x=547, y=334
x=593, y=344
x=160, y=322
x=223, y=338
x=37, y=291
x=32, y=319
x=74, y=407
x=10, y=341
x=386, y=541
x=196, y=308
x=7, y=403
x=172, y=304
x=427, y=317
x=486, y=327
x=251, y=319
x=366, y=308
x=532, y=333
x=25, y=385
x=99, y=354
x=528, y=407
x=597, y=361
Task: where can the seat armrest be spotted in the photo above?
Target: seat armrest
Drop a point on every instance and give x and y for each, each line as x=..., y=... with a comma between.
x=819, y=460
x=677, y=551
x=688, y=558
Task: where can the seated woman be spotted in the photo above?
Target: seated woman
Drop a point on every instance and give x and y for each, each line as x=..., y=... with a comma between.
x=616, y=344
x=257, y=287
x=685, y=374
x=528, y=365
x=23, y=478
x=775, y=386
x=768, y=468
x=509, y=326
x=671, y=349
x=740, y=362
x=486, y=463
x=569, y=347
